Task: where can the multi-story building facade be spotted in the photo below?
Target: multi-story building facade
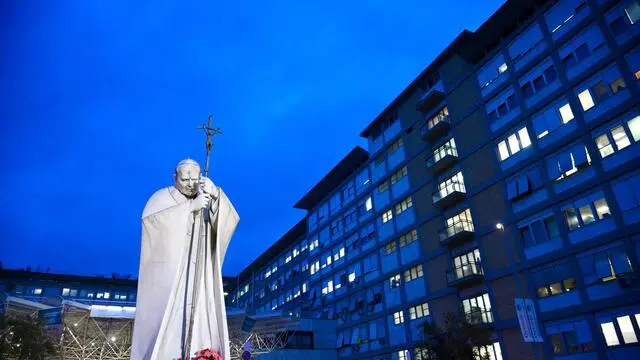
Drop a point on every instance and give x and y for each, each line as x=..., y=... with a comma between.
x=507, y=169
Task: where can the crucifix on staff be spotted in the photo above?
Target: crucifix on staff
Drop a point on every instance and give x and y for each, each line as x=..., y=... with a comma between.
x=210, y=132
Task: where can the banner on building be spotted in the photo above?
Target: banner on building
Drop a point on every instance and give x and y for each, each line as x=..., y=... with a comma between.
x=51, y=316
x=526, y=312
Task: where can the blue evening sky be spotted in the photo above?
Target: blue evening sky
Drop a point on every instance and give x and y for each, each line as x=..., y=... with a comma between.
x=100, y=99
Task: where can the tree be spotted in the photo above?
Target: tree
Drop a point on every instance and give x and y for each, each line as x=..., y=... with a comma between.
x=457, y=340
x=24, y=339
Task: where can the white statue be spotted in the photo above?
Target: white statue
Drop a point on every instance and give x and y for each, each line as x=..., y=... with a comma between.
x=180, y=305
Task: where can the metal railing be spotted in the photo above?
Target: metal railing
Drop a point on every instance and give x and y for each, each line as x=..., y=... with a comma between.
x=464, y=271
x=455, y=229
x=431, y=123
x=441, y=153
x=447, y=190
x=479, y=316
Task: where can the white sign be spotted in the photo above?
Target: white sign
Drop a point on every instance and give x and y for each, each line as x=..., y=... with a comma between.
x=526, y=312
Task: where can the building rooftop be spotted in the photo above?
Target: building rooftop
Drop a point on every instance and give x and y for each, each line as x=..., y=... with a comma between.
x=347, y=166
x=275, y=250
x=470, y=45
x=81, y=279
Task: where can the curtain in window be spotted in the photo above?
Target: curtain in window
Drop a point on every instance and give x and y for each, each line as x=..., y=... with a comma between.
x=523, y=184
x=603, y=268
x=583, y=333
x=579, y=154
x=539, y=232
x=553, y=168
x=620, y=262
x=565, y=161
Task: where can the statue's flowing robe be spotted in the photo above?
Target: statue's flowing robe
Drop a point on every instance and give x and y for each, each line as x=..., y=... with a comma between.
x=172, y=268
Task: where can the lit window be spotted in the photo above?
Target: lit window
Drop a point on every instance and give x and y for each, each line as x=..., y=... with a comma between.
x=413, y=273
x=37, y=291
x=390, y=248
x=459, y=222
x=404, y=205
x=394, y=281
x=566, y=113
x=586, y=213
x=315, y=267
x=478, y=309
x=514, y=143
x=383, y=187
x=626, y=328
x=398, y=175
x=502, y=68
x=387, y=216
x=448, y=148
x=567, y=285
x=586, y=100
x=408, y=238
x=609, y=332
x=403, y=355
x=442, y=115
x=65, y=292
x=395, y=146
x=492, y=352
x=398, y=317
x=450, y=185
x=634, y=127
x=419, y=311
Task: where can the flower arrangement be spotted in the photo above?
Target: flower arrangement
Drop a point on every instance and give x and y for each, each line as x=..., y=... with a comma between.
x=206, y=354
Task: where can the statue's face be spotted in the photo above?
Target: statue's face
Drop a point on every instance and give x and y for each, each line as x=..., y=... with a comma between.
x=186, y=178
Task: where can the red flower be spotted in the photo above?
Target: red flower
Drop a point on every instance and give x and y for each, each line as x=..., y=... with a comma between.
x=208, y=354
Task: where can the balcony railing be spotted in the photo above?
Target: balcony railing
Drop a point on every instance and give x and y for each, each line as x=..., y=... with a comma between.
x=479, y=316
x=442, y=158
x=465, y=273
x=431, y=97
x=435, y=127
x=457, y=231
x=449, y=194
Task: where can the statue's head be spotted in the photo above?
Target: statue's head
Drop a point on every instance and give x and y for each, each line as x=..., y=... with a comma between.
x=186, y=177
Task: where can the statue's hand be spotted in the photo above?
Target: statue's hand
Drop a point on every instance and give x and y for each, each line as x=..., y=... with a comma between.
x=208, y=187
x=202, y=201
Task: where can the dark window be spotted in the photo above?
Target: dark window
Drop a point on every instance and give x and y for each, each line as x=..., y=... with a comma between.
x=582, y=52
x=550, y=74
x=569, y=61
x=493, y=115
x=538, y=83
x=619, y=26
x=558, y=344
x=600, y=91
x=511, y=101
x=572, y=342
x=618, y=84
x=539, y=232
x=552, y=227
x=527, y=90
x=502, y=109
x=525, y=232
